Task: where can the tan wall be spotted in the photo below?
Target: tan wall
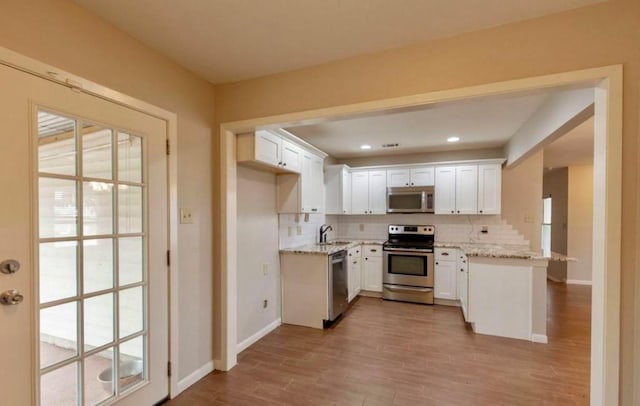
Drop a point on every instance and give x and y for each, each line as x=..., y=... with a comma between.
x=522, y=198
x=580, y=232
x=64, y=35
x=555, y=184
x=592, y=36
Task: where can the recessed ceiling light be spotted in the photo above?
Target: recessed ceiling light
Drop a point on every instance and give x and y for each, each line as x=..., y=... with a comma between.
x=365, y=146
x=453, y=139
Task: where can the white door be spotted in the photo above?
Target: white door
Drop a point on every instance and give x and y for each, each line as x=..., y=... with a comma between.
x=80, y=173
x=489, y=188
x=360, y=192
x=466, y=189
x=378, y=192
x=398, y=177
x=268, y=148
x=373, y=273
x=317, y=176
x=444, y=286
x=422, y=176
x=291, y=156
x=445, y=190
x=346, y=191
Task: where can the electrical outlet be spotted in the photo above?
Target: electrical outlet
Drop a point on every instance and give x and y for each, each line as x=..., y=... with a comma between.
x=298, y=230
x=361, y=227
x=265, y=269
x=265, y=303
x=186, y=216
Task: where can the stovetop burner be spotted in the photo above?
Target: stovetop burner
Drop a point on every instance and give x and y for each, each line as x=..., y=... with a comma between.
x=410, y=237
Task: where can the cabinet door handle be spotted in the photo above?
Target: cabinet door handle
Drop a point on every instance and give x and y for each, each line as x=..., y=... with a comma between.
x=355, y=262
x=284, y=164
x=437, y=263
x=458, y=211
x=452, y=211
x=481, y=211
x=373, y=250
x=406, y=184
x=314, y=209
x=445, y=254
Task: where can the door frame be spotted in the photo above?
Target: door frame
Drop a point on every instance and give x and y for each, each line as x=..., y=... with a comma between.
x=77, y=83
x=608, y=84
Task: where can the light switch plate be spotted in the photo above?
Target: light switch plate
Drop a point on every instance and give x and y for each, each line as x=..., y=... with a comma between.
x=186, y=216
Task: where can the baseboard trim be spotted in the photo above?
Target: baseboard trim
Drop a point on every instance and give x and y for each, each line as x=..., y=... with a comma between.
x=578, y=282
x=257, y=336
x=194, y=377
x=539, y=338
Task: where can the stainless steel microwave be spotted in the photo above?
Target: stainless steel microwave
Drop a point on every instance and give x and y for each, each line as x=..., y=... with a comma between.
x=410, y=199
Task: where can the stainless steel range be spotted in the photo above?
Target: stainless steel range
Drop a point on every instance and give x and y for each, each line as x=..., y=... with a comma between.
x=408, y=267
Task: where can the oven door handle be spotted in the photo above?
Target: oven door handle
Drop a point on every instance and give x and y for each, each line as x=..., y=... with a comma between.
x=407, y=288
x=423, y=253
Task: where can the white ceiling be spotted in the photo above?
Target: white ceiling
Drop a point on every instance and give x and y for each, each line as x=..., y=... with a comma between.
x=230, y=40
x=573, y=148
x=480, y=123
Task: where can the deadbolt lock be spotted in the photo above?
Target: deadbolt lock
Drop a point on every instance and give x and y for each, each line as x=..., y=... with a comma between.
x=9, y=266
x=11, y=297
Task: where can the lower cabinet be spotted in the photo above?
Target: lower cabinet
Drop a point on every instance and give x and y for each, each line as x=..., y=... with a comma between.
x=462, y=272
x=354, y=268
x=372, y=268
x=445, y=281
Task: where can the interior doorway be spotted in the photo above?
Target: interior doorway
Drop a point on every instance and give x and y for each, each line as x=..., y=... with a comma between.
x=607, y=82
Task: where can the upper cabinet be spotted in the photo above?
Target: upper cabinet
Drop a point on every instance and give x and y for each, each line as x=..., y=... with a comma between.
x=468, y=189
x=369, y=192
x=270, y=151
x=489, y=188
x=337, y=185
x=421, y=176
x=303, y=193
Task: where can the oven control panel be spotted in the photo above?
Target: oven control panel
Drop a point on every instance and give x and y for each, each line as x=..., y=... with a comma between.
x=409, y=229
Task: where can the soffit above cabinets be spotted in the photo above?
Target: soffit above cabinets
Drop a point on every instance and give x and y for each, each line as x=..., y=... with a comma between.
x=226, y=41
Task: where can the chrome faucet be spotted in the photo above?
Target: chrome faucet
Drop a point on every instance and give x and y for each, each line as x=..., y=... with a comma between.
x=323, y=232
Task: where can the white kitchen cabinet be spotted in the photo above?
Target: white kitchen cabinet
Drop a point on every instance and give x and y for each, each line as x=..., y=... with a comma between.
x=462, y=272
x=489, y=188
x=398, y=177
x=302, y=193
x=422, y=176
x=270, y=151
x=291, y=156
x=369, y=192
x=445, y=281
x=445, y=190
x=337, y=186
x=372, y=268
x=467, y=189
x=354, y=271
x=456, y=189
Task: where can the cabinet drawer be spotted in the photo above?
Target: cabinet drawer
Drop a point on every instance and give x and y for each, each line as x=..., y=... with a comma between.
x=446, y=254
x=372, y=250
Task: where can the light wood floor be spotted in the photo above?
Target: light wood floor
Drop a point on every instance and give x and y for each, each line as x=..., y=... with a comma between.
x=391, y=353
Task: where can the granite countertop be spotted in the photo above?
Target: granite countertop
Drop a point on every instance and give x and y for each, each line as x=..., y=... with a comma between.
x=331, y=248
x=507, y=251
x=471, y=249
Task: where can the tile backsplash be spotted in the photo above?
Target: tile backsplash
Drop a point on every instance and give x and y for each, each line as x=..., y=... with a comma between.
x=296, y=230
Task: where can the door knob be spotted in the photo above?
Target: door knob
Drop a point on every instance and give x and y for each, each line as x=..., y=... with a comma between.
x=11, y=297
x=9, y=266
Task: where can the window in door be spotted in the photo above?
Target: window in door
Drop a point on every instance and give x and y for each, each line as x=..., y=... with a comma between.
x=92, y=261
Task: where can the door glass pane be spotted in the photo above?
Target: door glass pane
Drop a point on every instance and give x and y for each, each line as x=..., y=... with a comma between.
x=58, y=333
x=131, y=311
x=58, y=213
x=131, y=363
x=98, y=377
x=405, y=202
x=58, y=278
x=129, y=158
x=407, y=265
x=98, y=321
x=96, y=152
x=60, y=387
x=129, y=209
x=97, y=206
x=130, y=260
x=56, y=144
x=98, y=265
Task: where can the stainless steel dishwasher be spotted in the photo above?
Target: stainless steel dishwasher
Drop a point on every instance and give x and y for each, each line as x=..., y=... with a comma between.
x=338, y=288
